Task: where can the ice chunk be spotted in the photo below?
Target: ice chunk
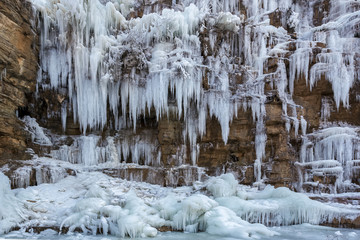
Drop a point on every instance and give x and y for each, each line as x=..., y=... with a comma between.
x=338, y=233
x=192, y=210
x=223, y=186
x=352, y=234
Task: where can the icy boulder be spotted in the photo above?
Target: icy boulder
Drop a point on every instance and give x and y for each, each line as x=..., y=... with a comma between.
x=190, y=217
x=123, y=222
x=96, y=212
x=223, y=186
x=223, y=221
x=200, y=213
x=168, y=206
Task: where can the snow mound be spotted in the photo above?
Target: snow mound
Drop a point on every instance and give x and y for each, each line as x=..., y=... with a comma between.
x=11, y=210
x=92, y=202
x=279, y=206
x=223, y=221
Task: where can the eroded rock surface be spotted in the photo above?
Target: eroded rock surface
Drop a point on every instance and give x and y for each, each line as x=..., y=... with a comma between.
x=18, y=72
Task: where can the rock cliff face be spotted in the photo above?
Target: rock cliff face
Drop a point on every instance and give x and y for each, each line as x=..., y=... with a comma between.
x=272, y=63
x=18, y=72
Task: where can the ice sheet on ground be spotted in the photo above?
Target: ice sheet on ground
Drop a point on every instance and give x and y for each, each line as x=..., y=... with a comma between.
x=92, y=201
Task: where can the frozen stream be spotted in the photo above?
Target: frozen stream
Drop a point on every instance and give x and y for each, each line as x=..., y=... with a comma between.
x=298, y=232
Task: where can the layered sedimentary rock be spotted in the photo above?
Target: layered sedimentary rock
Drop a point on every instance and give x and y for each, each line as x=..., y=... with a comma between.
x=18, y=72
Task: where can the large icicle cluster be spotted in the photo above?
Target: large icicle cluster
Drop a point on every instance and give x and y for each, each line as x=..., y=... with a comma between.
x=181, y=60
x=102, y=59
x=336, y=63
x=81, y=48
x=337, y=59
x=111, y=152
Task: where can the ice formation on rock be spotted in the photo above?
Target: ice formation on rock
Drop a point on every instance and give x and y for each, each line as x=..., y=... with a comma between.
x=133, y=65
x=116, y=64
x=37, y=133
x=330, y=153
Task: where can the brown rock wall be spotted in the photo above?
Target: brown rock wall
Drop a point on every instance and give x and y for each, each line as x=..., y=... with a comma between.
x=18, y=58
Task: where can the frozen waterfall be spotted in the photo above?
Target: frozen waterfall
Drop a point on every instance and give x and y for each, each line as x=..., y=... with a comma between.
x=115, y=66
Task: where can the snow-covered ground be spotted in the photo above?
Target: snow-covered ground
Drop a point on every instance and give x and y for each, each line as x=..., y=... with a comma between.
x=93, y=202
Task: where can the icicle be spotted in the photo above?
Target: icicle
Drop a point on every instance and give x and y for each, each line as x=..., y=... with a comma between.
x=299, y=63
x=63, y=115
x=303, y=125
x=325, y=110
